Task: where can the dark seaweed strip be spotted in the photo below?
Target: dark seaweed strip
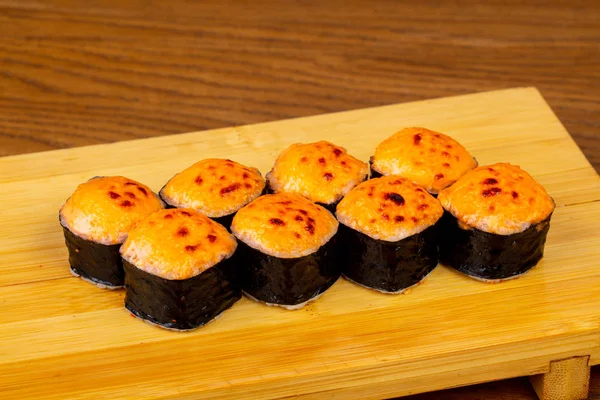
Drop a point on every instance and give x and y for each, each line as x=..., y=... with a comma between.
x=287, y=281
x=489, y=256
x=93, y=261
x=180, y=304
x=388, y=266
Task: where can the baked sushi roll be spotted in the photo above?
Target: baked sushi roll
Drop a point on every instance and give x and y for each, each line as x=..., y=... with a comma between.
x=215, y=187
x=96, y=219
x=178, y=269
x=322, y=172
x=495, y=223
x=287, y=254
x=388, y=230
x=430, y=159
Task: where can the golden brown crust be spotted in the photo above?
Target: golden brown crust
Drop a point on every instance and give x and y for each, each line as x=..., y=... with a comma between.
x=430, y=159
x=284, y=225
x=322, y=172
x=500, y=198
x=104, y=209
x=389, y=208
x=177, y=244
x=214, y=187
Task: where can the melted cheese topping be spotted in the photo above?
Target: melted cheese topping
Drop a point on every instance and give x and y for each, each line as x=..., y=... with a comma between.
x=215, y=187
x=500, y=198
x=104, y=209
x=321, y=171
x=284, y=225
x=389, y=208
x=430, y=159
x=177, y=244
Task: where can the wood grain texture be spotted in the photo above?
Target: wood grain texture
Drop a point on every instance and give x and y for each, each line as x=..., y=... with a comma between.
x=62, y=333
x=75, y=73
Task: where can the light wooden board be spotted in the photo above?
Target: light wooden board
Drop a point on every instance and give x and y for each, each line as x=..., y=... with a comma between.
x=63, y=338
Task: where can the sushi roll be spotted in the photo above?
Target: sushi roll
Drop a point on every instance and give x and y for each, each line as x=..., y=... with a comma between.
x=430, y=159
x=178, y=269
x=322, y=172
x=388, y=230
x=96, y=219
x=215, y=187
x=495, y=223
x=287, y=254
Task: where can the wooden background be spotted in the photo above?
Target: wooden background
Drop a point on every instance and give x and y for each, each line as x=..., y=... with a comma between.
x=74, y=73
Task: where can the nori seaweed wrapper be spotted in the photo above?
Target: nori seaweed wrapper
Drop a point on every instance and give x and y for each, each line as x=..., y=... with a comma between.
x=287, y=281
x=388, y=266
x=95, y=262
x=180, y=304
x=488, y=256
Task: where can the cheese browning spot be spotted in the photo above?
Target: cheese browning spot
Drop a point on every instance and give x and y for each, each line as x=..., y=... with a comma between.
x=231, y=188
x=515, y=195
x=211, y=238
x=422, y=206
x=437, y=177
x=490, y=181
x=168, y=216
x=322, y=161
x=417, y=139
x=126, y=203
x=395, y=197
x=337, y=153
x=113, y=195
x=446, y=165
x=276, y=221
x=328, y=176
x=398, y=218
x=491, y=192
x=187, y=214
x=191, y=248
x=130, y=195
x=144, y=191
x=199, y=180
x=183, y=232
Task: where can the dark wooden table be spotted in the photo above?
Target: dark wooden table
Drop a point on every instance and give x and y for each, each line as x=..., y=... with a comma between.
x=77, y=73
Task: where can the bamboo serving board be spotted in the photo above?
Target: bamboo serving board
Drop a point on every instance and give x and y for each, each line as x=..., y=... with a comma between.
x=62, y=338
